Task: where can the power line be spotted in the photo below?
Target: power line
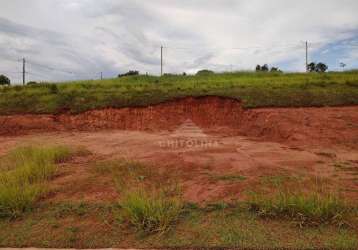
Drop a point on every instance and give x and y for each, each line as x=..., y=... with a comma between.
x=10, y=72
x=234, y=48
x=51, y=68
x=75, y=74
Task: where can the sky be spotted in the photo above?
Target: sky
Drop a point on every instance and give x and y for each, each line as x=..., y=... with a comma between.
x=65, y=40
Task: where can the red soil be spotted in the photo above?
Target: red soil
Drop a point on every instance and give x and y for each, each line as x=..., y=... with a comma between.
x=256, y=143
x=308, y=125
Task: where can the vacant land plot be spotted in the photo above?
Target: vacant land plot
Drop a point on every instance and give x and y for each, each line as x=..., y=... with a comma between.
x=191, y=172
x=128, y=189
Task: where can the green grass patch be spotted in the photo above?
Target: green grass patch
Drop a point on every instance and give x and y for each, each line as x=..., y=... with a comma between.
x=280, y=179
x=126, y=173
x=151, y=201
x=100, y=225
x=230, y=178
x=313, y=208
x=23, y=176
x=151, y=211
x=254, y=89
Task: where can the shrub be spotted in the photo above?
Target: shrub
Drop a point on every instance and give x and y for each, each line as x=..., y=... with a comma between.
x=151, y=212
x=205, y=72
x=4, y=80
x=129, y=73
x=53, y=89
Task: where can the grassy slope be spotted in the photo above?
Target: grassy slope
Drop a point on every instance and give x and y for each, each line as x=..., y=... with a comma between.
x=256, y=90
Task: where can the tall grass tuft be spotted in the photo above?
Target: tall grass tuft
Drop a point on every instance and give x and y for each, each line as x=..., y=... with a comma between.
x=151, y=212
x=23, y=175
x=311, y=208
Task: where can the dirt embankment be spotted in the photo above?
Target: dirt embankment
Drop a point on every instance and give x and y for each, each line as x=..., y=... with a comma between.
x=324, y=125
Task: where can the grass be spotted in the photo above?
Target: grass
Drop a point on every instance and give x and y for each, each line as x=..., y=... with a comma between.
x=23, y=176
x=65, y=225
x=126, y=173
x=151, y=212
x=254, y=89
x=312, y=208
x=150, y=203
x=230, y=178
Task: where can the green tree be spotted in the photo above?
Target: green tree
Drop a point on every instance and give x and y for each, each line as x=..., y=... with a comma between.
x=275, y=69
x=321, y=67
x=311, y=67
x=265, y=68
x=205, y=72
x=129, y=73
x=4, y=80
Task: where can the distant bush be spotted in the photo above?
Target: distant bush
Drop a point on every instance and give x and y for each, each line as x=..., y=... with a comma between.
x=319, y=67
x=53, y=89
x=32, y=83
x=266, y=68
x=4, y=80
x=275, y=69
x=205, y=72
x=169, y=74
x=129, y=73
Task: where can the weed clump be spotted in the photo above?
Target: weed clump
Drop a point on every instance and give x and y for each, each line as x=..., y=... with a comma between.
x=151, y=212
x=150, y=201
x=23, y=175
x=306, y=209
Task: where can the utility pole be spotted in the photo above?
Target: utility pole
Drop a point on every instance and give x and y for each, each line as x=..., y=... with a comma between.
x=306, y=57
x=161, y=60
x=23, y=71
x=101, y=75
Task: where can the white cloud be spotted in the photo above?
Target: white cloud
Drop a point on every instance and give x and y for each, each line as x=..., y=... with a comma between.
x=88, y=36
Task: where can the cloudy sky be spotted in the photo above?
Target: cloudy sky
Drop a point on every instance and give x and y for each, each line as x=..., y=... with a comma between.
x=78, y=39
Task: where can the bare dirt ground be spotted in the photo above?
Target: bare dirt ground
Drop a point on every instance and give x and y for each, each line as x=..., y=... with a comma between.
x=201, y=168
x=216, y=150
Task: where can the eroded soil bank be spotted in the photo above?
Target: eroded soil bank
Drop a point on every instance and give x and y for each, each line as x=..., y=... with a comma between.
x=338, y=125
